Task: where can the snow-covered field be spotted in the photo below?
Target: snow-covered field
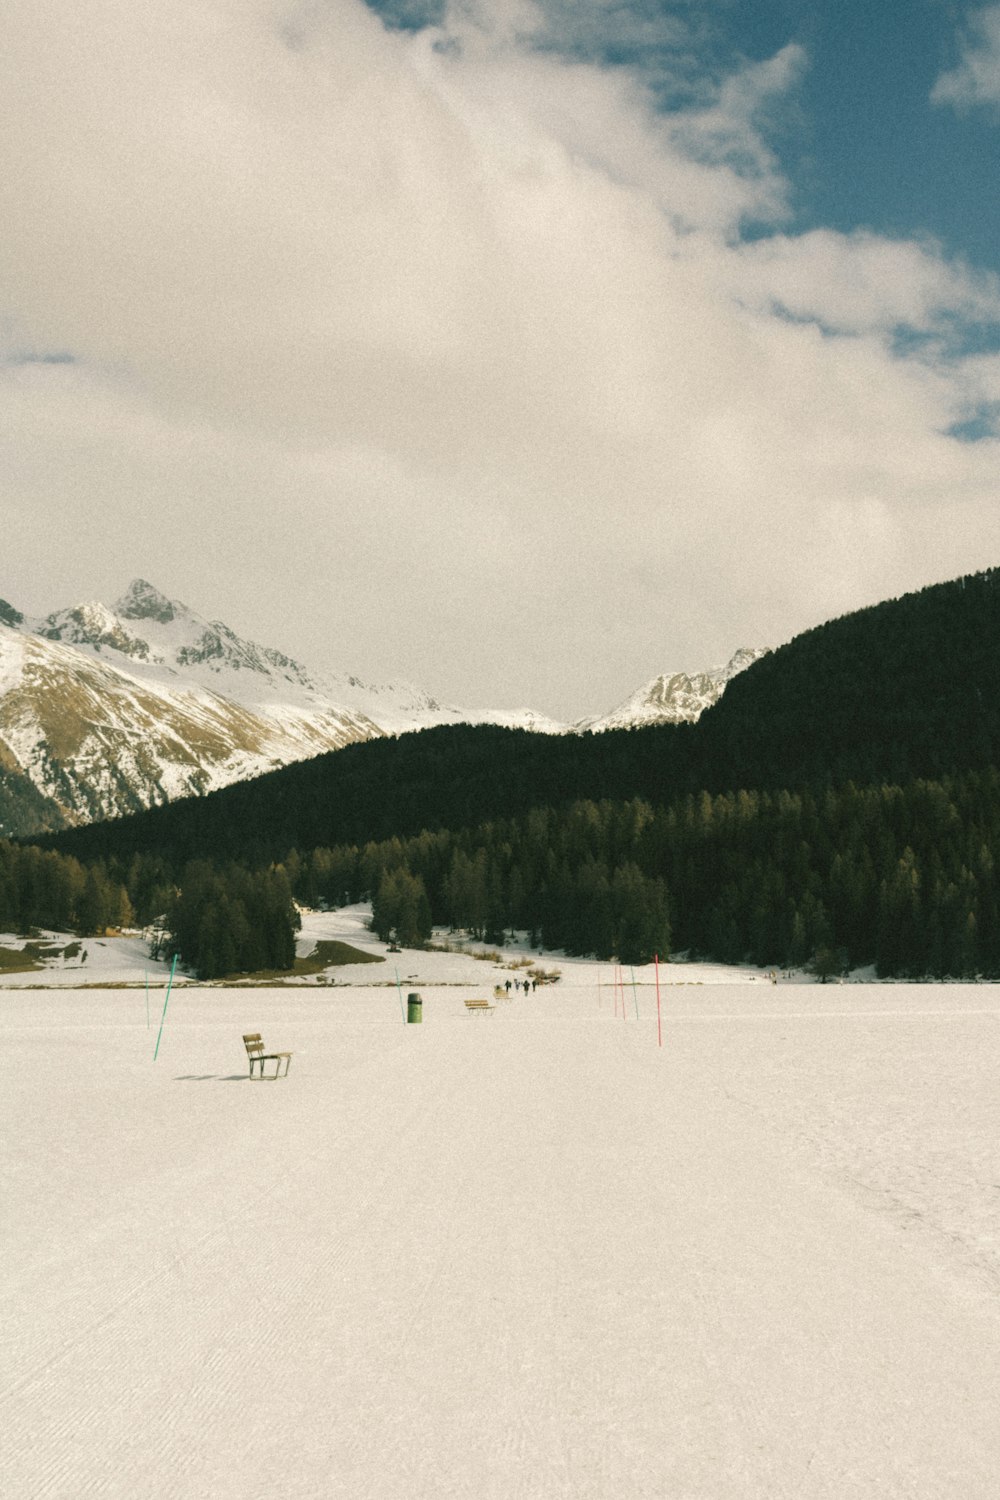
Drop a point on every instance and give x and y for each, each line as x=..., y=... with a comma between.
x=526, y=1254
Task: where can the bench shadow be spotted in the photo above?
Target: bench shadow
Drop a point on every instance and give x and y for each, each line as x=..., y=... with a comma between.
x=210, y=1078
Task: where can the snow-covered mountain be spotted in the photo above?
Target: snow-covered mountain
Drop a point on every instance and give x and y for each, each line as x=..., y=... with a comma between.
x=675, y=697
x=106, y=709
x=110, y=708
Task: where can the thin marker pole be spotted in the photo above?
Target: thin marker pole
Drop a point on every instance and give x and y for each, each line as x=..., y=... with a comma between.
x=635, y=996
x=165, y=1004
x=400, y=993
x=659, y=1022
x=621, y=981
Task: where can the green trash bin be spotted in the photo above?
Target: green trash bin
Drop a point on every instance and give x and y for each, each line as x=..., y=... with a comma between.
x=414, y=1007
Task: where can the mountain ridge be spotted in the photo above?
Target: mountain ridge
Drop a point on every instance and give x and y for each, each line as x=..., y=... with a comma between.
x=107, y=709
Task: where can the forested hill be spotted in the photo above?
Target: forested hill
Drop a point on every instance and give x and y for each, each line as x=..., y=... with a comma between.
x=452, y=777
x=908, y=688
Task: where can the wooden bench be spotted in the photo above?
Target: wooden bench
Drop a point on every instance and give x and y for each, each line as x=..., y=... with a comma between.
x=255, y=1051
x=481, y=1007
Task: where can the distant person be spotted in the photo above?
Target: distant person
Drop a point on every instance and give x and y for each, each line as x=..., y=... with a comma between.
x=507, y=986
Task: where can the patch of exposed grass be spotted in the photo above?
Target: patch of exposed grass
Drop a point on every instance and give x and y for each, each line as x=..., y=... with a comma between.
x=18, y=961
x=329, y=953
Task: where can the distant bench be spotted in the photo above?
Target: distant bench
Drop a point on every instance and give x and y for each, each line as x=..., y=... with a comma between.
x=255, y=1052
x=482, y=1007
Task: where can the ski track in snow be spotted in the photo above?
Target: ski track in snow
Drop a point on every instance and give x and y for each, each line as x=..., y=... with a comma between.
x=517, y=1256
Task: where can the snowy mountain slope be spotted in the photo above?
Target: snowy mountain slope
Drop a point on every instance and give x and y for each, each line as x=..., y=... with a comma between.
x=111, y=708
x=106, y=709
x=101, y=741
x=158, y=634
x=674, y=698
x=160, y=639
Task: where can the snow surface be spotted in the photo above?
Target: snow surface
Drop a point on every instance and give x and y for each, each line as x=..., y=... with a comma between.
x=124, y=960
x=527, y=1254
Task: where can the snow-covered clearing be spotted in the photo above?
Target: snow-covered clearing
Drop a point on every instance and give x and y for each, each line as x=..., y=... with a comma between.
x=125, y=960
x=528, y=1254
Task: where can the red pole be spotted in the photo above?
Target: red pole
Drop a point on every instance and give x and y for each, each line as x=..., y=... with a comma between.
x=659, y=1022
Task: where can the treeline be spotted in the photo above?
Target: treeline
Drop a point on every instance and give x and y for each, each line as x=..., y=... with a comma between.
x=488, y=891
x=218, y=921
x=902, y=877
x=231, y=920
x=40, y=888
x=899, y=877
x=453, y=776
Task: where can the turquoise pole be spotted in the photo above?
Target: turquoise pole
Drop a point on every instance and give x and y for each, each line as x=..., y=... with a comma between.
x=165, y=1003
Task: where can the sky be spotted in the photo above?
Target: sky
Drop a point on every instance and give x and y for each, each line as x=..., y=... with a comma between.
x=523, y=349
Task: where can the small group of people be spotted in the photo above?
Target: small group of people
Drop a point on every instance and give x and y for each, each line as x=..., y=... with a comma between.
x=529, y=984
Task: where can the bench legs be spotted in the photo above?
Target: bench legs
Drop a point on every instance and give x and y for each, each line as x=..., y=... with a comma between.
x=277, y=1060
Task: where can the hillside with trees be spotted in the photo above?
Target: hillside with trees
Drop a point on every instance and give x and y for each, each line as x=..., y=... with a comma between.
x=906, y=689
x=839, y=805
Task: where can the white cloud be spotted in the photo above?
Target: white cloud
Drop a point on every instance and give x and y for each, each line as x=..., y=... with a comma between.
x=440, y=354
x=976, y=79
x=862, y=283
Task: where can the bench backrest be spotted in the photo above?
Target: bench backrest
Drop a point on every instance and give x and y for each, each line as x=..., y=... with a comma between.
x=252, y=1042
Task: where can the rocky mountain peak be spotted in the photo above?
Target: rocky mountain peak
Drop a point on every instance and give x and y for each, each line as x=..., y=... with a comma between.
x=676, y=697
x=743, y=658
x=93, y=624
x=141, y=601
